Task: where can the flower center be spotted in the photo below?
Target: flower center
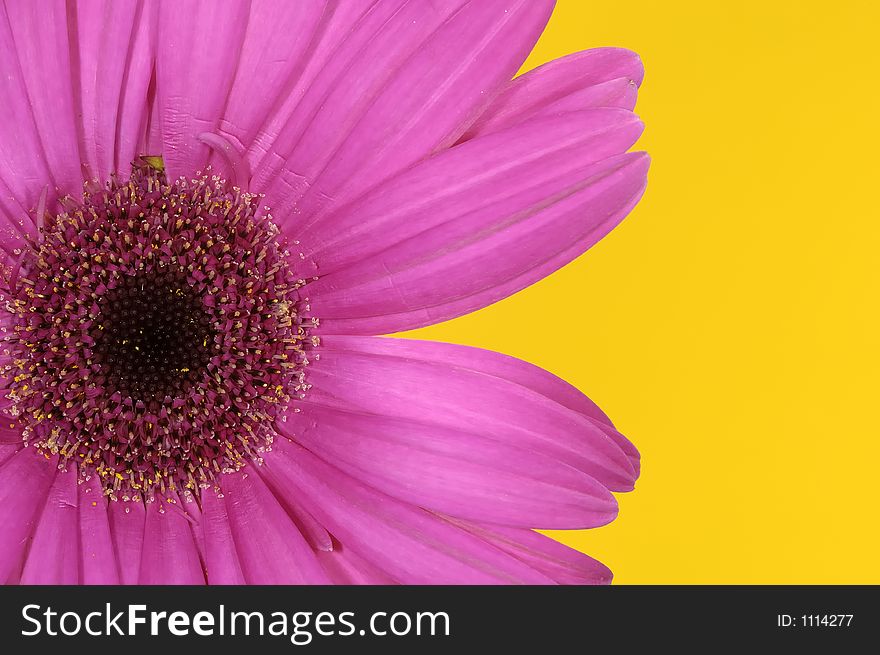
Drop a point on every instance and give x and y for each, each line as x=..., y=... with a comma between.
x=153, y=336
x=157, y=333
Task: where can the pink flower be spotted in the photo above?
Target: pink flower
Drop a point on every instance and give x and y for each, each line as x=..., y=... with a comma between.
x=194, y=389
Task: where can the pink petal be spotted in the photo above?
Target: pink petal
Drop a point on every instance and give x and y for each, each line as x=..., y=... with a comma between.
x=487, y=362
x=221, y=558
x=481, y=181
x=555, y=560
x=154, y=144
x=7, y=450
x=98, y=564
x=345, y=567
x=14, y=220
x=456, y=472
x=391, y=378
x=476, y=224
x=341, y=22
x=361, y=56
x=410, y=89
x=500, y=366
x=315, y=533
x=137, y=98
x=577, y=81
x=24, y=168
x=10, y=432
x=198, y=51
x=127, y=521
x=412, y=545
x=25, y=479
x=54, y=555
x=270, y=548
x=169, y=555
x=39, y=32
x=74, y=83
x=278, y=38
x=102, y=32
x=192, y=510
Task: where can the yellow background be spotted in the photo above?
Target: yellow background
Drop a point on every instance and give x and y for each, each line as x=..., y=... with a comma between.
x=729, y=326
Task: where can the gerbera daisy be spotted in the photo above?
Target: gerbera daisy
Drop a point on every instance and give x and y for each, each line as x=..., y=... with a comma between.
x=211, y=210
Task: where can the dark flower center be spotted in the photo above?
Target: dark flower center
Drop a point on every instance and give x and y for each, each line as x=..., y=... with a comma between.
x=153, y=336
x=157, y=334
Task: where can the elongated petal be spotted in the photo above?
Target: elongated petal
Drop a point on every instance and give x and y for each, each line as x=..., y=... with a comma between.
x=315, y=533
x=221, y=558
x=10, y=431
x=270, y=548
x=456, y=472
x=391, y=378
x=137, y=95
x=411, y=544
x=500, y=366
x=7, y=450
x=198, y=51
x=25, y=479
x=341, y=25
x=24, y=166
x=577, y=81
x=565, y=565
x=54, y=554
x=74, y=83
x=476, y=224
x=169, y=555
x=101, y=34
x=482, y=185
x=411, y=89
x=15, y=223
x=39, y=31
x=487, y=362
x=345, y=567
x=127, y=521
x=274, y=53
x=98, y=564
x=192, y=510
x=362, y=55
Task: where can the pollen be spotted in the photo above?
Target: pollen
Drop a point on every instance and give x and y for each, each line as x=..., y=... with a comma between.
x=157, y=332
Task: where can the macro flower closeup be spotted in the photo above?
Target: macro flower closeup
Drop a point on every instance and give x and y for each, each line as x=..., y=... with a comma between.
x=210, y=212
